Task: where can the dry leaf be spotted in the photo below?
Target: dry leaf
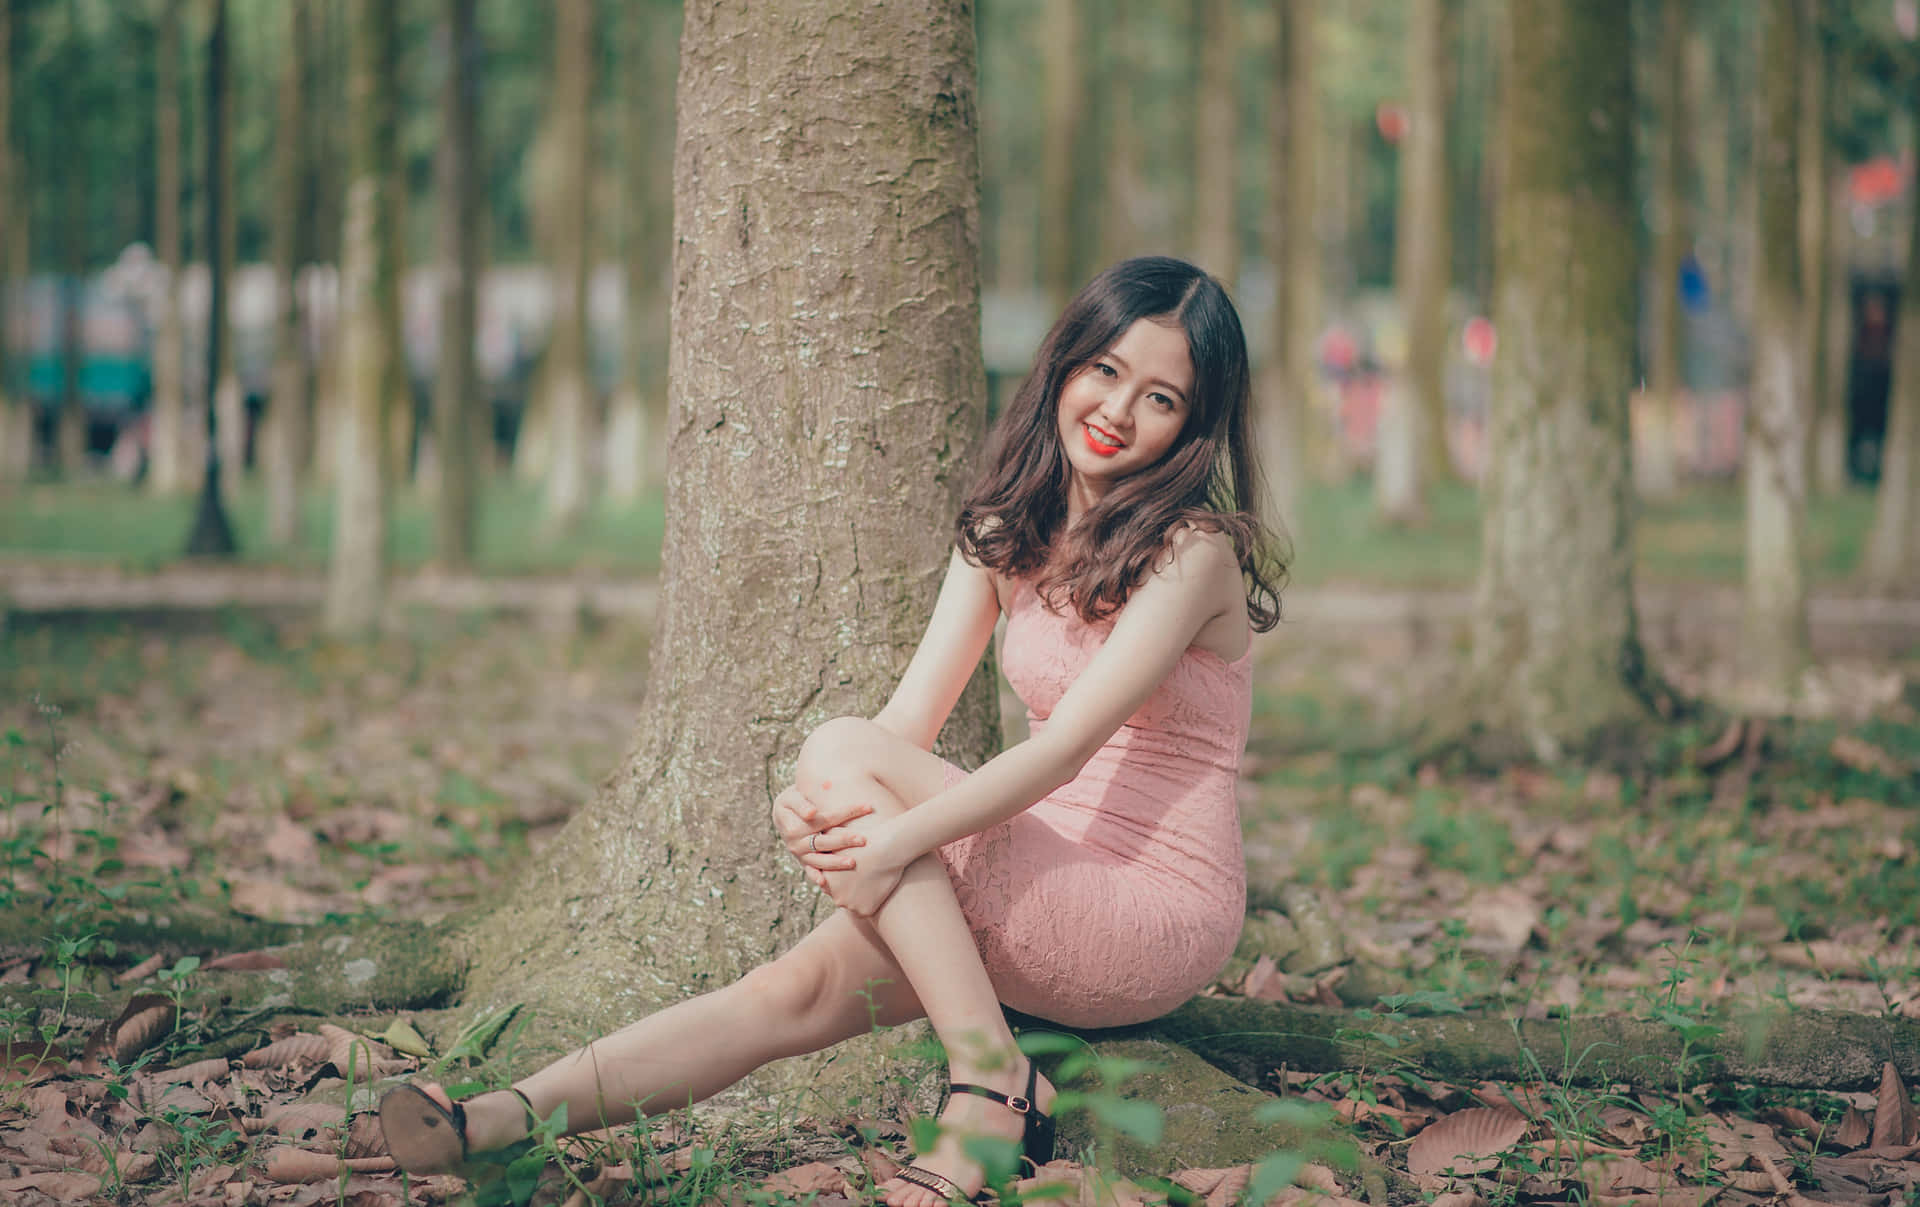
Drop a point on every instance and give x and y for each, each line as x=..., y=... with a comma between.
x=302, y=1120
x=1468, y=1141
x=281, y=1053
x=818, y=1177
x=244, y=961
x=1263, y=974
x=147, y=1019
x=276, y=900
x=142, y=970
x=297, y=1165
x=1862, y=755
x=1619, y=1175
x=213, y=1068
x=66, y=1186
x=1855, y=1130
x=1893, y=1118
x=1457, y=1198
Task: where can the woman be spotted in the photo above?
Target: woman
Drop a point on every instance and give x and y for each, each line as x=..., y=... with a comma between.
x=1090, y=874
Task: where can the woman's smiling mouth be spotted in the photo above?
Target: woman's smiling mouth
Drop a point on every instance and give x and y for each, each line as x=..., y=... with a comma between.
x=1102, y=442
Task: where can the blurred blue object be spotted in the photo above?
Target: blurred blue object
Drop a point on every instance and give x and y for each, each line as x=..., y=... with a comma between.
x=1695, y=295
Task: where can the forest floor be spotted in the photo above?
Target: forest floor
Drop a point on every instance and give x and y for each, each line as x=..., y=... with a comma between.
x=225, y=758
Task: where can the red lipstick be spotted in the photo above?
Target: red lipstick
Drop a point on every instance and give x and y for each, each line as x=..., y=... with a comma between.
x=1097, y=445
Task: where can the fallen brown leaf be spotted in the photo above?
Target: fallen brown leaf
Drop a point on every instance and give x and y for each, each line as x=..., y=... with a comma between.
x=1893, y=1117
x=245, y=961
x=1468, y=1141
x=284, y=1052
x=142, y=970
x=817, y=1177
x=63, y=1185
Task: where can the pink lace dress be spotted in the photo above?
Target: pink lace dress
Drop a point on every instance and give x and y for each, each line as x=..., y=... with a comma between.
x=1121, y=895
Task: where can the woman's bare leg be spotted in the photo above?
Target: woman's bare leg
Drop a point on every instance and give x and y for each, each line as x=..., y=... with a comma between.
x=915, y=956
x=853, y=761
x=836, y=983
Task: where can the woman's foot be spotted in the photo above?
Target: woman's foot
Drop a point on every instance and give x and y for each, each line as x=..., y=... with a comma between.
x=427, y=1132
x=968, y=1116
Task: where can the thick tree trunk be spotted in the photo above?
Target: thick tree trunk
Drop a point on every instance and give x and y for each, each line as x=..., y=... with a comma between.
x=1830, y=397
x=1656, y=455
x=1216, y=141
x=825, y=396
x=1414, y=418
x=170, y=459
x=369, y=326
x=289, y=420
x=456, y=386
x=1816, y=224
x=636, y=413
x=1556, y=656
x=1893, y=547
x=1064, y=128
x=569, y=380
x=1775, y=645
x=1295, y=255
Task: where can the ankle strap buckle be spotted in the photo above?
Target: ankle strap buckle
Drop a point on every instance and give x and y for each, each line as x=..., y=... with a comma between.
x=1019, y=1104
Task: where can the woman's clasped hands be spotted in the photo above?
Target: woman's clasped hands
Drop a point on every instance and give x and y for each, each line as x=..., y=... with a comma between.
x=824, y=842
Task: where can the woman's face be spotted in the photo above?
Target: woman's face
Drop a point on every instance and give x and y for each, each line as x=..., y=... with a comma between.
x=1122, y=411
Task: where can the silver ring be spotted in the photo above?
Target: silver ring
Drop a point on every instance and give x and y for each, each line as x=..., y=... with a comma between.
x=816, y=844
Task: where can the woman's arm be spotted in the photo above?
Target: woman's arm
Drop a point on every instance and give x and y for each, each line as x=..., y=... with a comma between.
x=957, y=635
x=1161, y=619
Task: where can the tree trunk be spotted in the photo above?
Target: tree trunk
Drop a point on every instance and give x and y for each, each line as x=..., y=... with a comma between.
x=289, y=420
x=636, y=413
x=1413, y=423
x=168, y=459
x=70, y=425
x=1775, y=645
x=1124, y=218
x=16, y=415
x=825, y=397
x=568, y=376
x=1830, y=397
x=1295, y=255
x=1556, y=656
x=1893, y=547
x=1216, y=141
x=211, y=535
x=369, y=325
x=229, y=396
x=1656, y=462
x=1064, y=129
x=456, y=388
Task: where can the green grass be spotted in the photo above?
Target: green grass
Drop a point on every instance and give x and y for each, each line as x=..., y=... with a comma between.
x=112, y=523
x=1697, y=536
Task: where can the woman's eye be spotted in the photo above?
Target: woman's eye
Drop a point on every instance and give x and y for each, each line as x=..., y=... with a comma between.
x=1104, y=369
x=1163, y=402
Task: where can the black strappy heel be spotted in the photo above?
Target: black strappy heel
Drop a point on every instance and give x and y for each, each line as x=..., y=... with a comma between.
x=1036, y=1140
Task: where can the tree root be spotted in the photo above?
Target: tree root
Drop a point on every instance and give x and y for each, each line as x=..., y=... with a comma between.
x=1811, y=1049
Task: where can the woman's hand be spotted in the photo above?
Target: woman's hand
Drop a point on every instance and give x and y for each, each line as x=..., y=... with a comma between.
x=867, y=881
x=816, y=836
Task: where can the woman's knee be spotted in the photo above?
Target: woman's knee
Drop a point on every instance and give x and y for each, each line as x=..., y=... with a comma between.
x=843, y=746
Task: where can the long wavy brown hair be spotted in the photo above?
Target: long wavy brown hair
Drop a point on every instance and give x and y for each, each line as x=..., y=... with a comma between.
x=1014, y=520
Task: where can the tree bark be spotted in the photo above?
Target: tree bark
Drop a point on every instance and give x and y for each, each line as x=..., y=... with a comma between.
x=70, y=424
x=1065, y=118
x=229, y=398
x=1216, y=142
x=1775, y=646
x=1830, y=398
x=289, y=419
x=637, y=410
x=1414, y=418
x=1656, y=462
x=16, y=414
x=457, y=402
x=825, y=397
x=1294, y=253
x=1892, y=560
x=1556, y=655
x=211, y=535
x=168, y=450
x=568, y=377
x=1816, y=224
x=369, y=326
x=1250, y=1038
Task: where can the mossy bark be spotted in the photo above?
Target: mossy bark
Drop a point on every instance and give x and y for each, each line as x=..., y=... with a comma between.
x=1556, y=654
x=1656, y=452
x=369, y=326
x=1775, y=644
x=825, y=396
x=567, y=379
x=1250, y=1038
x=1293, y=249
x=289, y=426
